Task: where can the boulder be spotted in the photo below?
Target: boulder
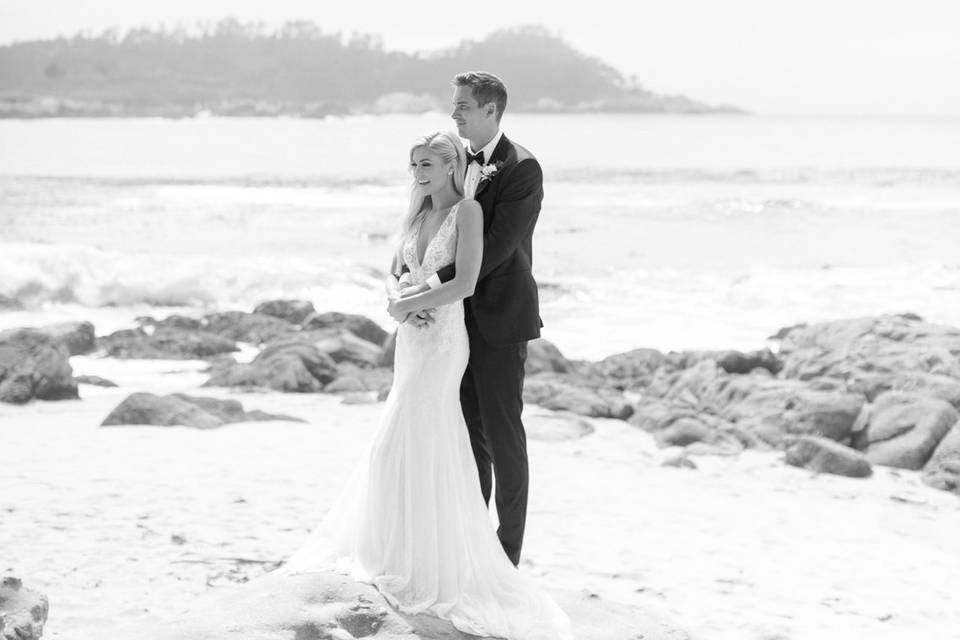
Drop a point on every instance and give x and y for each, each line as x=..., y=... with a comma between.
x=679, y=461
x=293, y=311
x=34, y=365
x=632, y=369
x=925, y=384
x=942, y=471
x=96, y=381
x=183, y=410
x=826, y=456
x=560, y=395
x=23, y=612
x=255, y=328
x=903, y=429
x=859, y=348
x=165, y=344
x=78, y=337
x=284, y=366
x=358, y=325
x=542, y=356
x=772, y=408
x=739, y=362
x=355, y=379
x=343, y=346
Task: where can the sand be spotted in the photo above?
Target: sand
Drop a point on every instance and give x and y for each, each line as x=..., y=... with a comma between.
x=131, y=524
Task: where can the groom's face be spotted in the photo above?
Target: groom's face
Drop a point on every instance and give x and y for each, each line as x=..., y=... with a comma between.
x=473, y=121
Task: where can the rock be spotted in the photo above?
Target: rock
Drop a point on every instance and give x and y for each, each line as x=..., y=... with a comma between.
x=556, y=427
x=772, y=408
x=293, y=311
x=926, y=384
x=327, y=606
x=542, y=356
x=679, y=460
x=360, y=326
x=632, y=369
x=902, y=429
x=23, y=612
x=78, y=337
x=343, y=346
x=165, y=343
x=284, y=366
x=854, y=349
x=738, y=362
x=942, y=471
x=558, y=395
x=96, y=381
x=34, y=365
x=255, y=328
x=826, y=456
x=354, y=379
x=183, y=410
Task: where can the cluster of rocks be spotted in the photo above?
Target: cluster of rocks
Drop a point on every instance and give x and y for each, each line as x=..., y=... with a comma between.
x=23, y=612
x=838, y=397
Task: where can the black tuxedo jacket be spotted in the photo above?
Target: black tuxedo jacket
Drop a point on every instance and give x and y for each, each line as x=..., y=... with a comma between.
x=504, y=303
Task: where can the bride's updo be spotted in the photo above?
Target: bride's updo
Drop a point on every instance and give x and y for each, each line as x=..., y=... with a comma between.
x=447, y=145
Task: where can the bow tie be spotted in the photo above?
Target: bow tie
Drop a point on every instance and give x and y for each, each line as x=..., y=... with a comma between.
x=478, y=157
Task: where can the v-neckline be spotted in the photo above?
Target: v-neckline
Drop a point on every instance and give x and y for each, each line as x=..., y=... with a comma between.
x=416, y=238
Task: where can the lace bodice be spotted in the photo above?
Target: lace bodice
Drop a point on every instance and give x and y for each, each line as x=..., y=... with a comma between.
x=448, y=330
x=441, y=250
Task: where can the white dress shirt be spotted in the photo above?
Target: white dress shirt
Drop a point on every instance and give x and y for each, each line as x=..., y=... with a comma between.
x=470, y=183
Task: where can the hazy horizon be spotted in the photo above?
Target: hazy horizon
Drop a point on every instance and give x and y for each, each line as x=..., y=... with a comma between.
x=819, y=58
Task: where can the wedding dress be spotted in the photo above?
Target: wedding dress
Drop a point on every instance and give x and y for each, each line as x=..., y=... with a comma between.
x=412, y=520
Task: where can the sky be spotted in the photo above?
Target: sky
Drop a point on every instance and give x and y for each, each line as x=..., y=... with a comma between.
x=768, y=56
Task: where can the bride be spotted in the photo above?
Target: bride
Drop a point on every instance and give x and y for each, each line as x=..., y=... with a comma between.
x=412, y=520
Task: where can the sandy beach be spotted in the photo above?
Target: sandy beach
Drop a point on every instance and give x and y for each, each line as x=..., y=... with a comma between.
x=128, y=524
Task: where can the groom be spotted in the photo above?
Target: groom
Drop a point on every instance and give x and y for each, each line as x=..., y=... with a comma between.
x=503, y=312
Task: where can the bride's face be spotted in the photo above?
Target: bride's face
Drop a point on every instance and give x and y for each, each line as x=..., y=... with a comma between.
x=430, y=174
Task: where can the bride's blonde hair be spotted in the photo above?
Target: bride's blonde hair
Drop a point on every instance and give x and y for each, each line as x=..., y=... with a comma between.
x=447, y=145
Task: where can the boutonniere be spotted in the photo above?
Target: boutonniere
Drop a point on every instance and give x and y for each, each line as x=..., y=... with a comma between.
x=487, y=171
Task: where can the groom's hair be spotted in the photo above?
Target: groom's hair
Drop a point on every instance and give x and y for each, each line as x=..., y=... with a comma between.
x=485, y=87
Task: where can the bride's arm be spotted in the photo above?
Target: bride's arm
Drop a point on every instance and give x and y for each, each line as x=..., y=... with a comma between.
x=469, y=256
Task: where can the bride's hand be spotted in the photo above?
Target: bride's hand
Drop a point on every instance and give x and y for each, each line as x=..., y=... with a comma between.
x=395, y=312
x=413, y=290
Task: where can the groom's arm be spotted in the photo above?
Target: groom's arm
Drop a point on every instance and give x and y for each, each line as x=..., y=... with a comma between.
x=514, y=218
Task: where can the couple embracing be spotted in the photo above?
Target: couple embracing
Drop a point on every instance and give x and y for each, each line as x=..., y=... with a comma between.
x=413, y=519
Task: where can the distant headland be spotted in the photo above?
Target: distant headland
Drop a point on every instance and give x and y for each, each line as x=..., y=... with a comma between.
x=298, y=70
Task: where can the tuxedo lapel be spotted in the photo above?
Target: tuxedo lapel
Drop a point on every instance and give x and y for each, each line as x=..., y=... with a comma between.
x=500, y=154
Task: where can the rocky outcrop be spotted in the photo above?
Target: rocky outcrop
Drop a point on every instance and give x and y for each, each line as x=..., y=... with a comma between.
x=9, y=304
x=903, y=429
x=561, y=394
x=255, y=328
x=78, y=337
x=285, y=366
x=34, y=365
x=942, y=471
x=293, y=311
x=544, y=357
x=23, y=612
x=826, y=456
x=358, y=325
x=343, y=346
x=165, y=343
x=860, y=349
x=95, y=381
x=182, y=410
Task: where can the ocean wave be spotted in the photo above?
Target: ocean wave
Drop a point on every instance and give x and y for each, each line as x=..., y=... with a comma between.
x=39, y=274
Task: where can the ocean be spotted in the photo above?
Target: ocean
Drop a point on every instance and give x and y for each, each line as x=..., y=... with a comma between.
x=672, y=232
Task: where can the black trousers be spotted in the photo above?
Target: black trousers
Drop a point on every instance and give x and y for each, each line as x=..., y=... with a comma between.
x=491, y=394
